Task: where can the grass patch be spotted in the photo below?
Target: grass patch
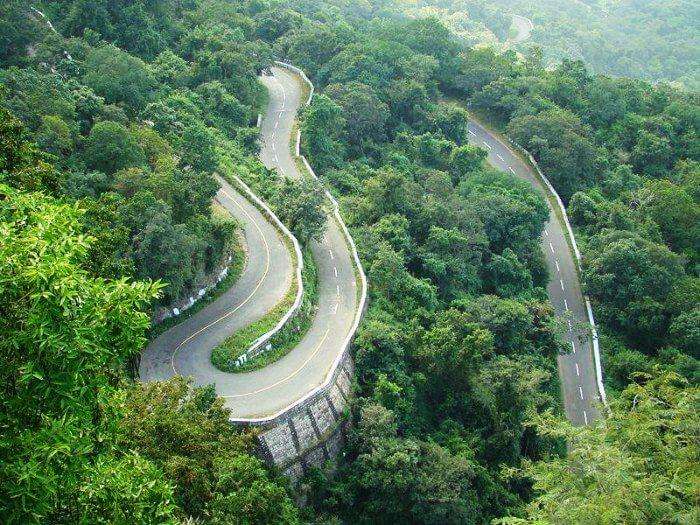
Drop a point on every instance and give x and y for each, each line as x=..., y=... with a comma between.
x=225, y=355
x=297, y=327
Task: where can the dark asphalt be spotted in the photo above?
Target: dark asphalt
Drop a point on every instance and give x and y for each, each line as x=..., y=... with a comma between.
x=576, y=369
x=186, y=348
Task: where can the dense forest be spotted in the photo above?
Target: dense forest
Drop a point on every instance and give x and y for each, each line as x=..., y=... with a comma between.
x=111, y=130
x=655, y=40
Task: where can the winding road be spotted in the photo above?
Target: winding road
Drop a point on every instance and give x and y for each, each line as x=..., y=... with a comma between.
x=524, y=27
x=576, y=368
x=185, y=349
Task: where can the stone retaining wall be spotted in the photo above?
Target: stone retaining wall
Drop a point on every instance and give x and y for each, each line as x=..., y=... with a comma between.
x=313, y=432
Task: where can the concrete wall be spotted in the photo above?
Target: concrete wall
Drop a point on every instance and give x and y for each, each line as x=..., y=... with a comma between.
x=313, y=432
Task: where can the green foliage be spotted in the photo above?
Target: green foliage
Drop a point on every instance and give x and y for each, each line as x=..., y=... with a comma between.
x=119, y=77
x=66, y=340
x=639, y=466
x=632, y=278
x=111, y=147
x=186, y=432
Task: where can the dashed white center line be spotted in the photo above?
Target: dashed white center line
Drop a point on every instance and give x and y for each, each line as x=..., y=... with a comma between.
x=556, y=263
x=330, y=252
x=335, y=309
x=511, y=170
x=500, y=158
x=561, y=283
x=546, y=233
x=335, y=271
x=273, y=146
x=577, y=370
x=566, y=305
x=472, y=133
x=580, y=392
x=281, y=113
x=486, y=144
x=551, y=247
x=569, y=323
x=573, y=347
x=585, y=418
x=337, y=290
x=277, y=124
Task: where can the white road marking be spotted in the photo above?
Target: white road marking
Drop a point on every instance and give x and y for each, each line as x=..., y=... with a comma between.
x=277, y=124
x=511, y=170
x=566, y=305
x=335, y=271
x=337, y=290
x=277, y=160
x=551, y=247
x=299, y=369
x=281, y=113
x=573, y=346
x=486, y=144
x=557, y=264
x=273, y=146
x=472, y=133
x=585, y=418
x=232, y=311
x=335, y=308
x=577, y=370
x=561, y=283
x=330, y=252
x=546, y=233
x=569, y=322
x=500, y=158
x=580, y=392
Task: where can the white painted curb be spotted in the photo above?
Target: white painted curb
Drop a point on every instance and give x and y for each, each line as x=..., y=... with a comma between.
x=363, y=289
x=577, y=253
x=256, y=348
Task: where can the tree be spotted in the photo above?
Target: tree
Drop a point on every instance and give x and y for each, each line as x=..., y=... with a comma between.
x=631, y=278
x=54, y=135
x=199, y=149
x=452, y=260
x=322, y=127
x=300, y=205
x=677, y=215
x=465, y=159
x=186, y=431
x=637, y=466
x=67, y=337
x=558, y=140
x=129, y=489
x=22, y=165
x=397, y=480
x=119, y=77
x=365, y=114
x=111, y=147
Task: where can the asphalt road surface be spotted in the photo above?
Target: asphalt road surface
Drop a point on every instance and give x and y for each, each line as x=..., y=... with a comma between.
x=524, y=27
x=186, y=348
x=576, y=368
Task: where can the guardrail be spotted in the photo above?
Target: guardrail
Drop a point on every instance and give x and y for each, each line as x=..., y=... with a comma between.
x=577, y=253
x=257, y=348
x=362, y=306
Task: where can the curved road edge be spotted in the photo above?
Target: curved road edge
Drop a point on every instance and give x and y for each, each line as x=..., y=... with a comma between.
x=580, y=372
x=362, y=304
x=186, y=347
x=254, y=349
x=577, y=254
